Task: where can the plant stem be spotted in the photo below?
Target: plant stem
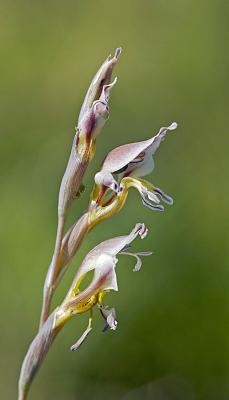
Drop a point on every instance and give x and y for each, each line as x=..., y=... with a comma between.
x=52, y=271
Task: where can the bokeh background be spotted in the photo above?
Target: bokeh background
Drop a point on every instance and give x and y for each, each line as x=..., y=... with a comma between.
x=172, y=341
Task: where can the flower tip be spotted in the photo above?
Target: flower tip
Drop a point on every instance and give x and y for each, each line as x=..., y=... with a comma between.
x=110, y=86
x=141, y=230
x=173, y=126
x=117, y=52
x=144, y=232
x=114, y=81
x=170, y=200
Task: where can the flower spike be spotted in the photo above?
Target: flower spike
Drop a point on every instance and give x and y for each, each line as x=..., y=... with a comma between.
x=123, y=168
x=93, y=115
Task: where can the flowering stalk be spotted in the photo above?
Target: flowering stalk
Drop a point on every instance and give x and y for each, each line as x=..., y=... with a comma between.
x=102, y=259
x=123, y=168
x=109, y=195
x=93, y=115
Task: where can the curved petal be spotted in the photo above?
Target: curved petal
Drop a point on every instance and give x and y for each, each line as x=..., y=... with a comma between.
x=105, y=95
x=106, y=268
x=121, y=156
x=102, y=257
x=105, y=178
x=94, y=119
x=115, y=245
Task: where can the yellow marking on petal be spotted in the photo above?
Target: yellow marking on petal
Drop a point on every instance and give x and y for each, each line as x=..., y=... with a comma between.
x=100, y=213
x=86, y=305
x=95, y=192
x=85, y=147
x=97, y=212
x=92, y=150
x=72, y=306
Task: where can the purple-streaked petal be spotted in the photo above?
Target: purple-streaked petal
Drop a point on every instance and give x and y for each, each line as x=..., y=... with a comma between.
x=92, y=120
x=121, y=156
x=104, y=265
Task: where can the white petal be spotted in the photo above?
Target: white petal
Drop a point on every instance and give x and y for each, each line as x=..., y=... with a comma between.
x=105, y=270
x=106, y=179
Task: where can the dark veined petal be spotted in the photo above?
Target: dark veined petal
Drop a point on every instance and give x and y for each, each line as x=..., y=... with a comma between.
x=167, y=199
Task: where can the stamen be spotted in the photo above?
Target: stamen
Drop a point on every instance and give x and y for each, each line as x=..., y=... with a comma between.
x=138, y=264
x=80, y=341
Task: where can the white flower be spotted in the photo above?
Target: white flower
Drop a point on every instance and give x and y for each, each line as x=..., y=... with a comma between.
x=103, y=260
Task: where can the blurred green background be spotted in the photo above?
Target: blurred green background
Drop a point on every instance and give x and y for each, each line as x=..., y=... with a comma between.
x=172, y=341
